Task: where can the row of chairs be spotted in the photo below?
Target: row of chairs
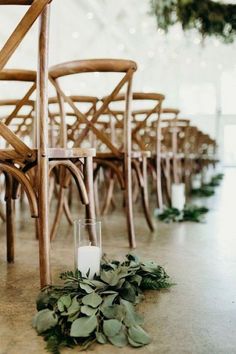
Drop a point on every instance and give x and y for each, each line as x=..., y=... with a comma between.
x=100, y=143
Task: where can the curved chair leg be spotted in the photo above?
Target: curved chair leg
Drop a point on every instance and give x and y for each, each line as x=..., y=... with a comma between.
x=144, y=193
x=2, y=215
x=58, y=215
x=67, y=212
x=109, y=194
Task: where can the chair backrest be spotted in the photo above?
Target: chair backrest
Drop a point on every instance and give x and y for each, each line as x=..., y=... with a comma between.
x=142, y=118
x=65, y=125
x=36, y=9
x=125, y=67
x=17, y=76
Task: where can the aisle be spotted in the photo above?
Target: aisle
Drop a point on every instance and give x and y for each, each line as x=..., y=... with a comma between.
x=197, y=316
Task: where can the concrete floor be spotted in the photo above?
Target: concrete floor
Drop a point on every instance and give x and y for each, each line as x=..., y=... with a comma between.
x=197, y=316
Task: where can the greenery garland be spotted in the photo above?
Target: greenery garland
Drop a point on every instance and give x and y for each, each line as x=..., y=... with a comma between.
x=207, y=190
x=209, y=17
x=84, y=311
x=190, y=213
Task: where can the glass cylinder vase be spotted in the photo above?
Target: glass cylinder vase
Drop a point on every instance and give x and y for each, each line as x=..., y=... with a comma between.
x=87, y=245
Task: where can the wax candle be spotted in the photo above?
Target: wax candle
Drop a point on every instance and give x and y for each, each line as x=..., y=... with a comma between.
x=178, y=196
x=89, y=257
x=196, y=181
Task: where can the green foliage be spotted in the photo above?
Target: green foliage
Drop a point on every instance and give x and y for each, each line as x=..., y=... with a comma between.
x=190, y=213
x=209, y=17
x=84, y=311
x=207, y=190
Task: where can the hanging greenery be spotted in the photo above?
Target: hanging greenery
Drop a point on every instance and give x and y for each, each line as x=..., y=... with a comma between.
x=102, y=310
x=210, y=18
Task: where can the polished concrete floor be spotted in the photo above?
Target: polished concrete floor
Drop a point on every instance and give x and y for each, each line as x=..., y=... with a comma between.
x=197, y=316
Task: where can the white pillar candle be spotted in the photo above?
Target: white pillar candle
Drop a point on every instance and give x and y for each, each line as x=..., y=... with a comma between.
x=206, y=176
x=89, y=257
x=178, y=196
x=196, y=181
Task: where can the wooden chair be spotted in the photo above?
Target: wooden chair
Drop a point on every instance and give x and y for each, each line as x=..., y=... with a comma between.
x=142, y=136
x=112, y=156
x=17, y=161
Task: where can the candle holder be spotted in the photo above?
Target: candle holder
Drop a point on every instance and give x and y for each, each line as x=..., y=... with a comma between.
x=87, y=247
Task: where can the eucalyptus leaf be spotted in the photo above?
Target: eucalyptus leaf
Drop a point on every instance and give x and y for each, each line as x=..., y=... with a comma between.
x=111, y=327
x=101, y=338
x=93, y=300
x=74, y=307
x=134, y=344
x=86, y=288
x=138, y=335
x=64, y=302
x=128, y=292
x=44, y=320
x=119, y=340
x=84, y=326
x=131, y=317
x=88, y=311
x=110, y=277
x=108, y=300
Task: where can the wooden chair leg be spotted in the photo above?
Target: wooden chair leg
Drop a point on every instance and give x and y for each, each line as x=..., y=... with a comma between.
x=2, y=215
x=58, y=215
x=109, y=194
x=158, y=183
x=96, y=198
x=129, y=203
x=10, y=229
x=43, y=171
x=144, y=193
x=90, y=212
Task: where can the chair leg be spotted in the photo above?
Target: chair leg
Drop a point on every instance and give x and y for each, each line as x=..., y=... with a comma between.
x=144, y=193
x=158, y=183
x=129, y=203
x=10, y=229
x=109, y=194
x=58, y=215
x=90, y=212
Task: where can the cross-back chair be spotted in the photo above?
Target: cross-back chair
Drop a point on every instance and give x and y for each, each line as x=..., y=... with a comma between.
x=19, y=159
x=117, y=158
x=144, y=138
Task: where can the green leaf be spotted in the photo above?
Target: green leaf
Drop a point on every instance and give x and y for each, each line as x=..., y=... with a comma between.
x=138, y=335
x=132, y=318
x=108, y=300
x=119, y=340
x=128, y=292
x=93, y=300
x=74, y=307
x=134, y=344
x=86, y=288
x=110, y=277
x=64, y=302
x=101, y=338
x=115, y=311
x=111, y=327
x=88, y=311
x=44, y=320
x=84, y=326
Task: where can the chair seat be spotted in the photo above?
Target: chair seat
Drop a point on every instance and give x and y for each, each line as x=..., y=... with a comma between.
x=112, y=156
x=60, y=153
x=53, y=153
